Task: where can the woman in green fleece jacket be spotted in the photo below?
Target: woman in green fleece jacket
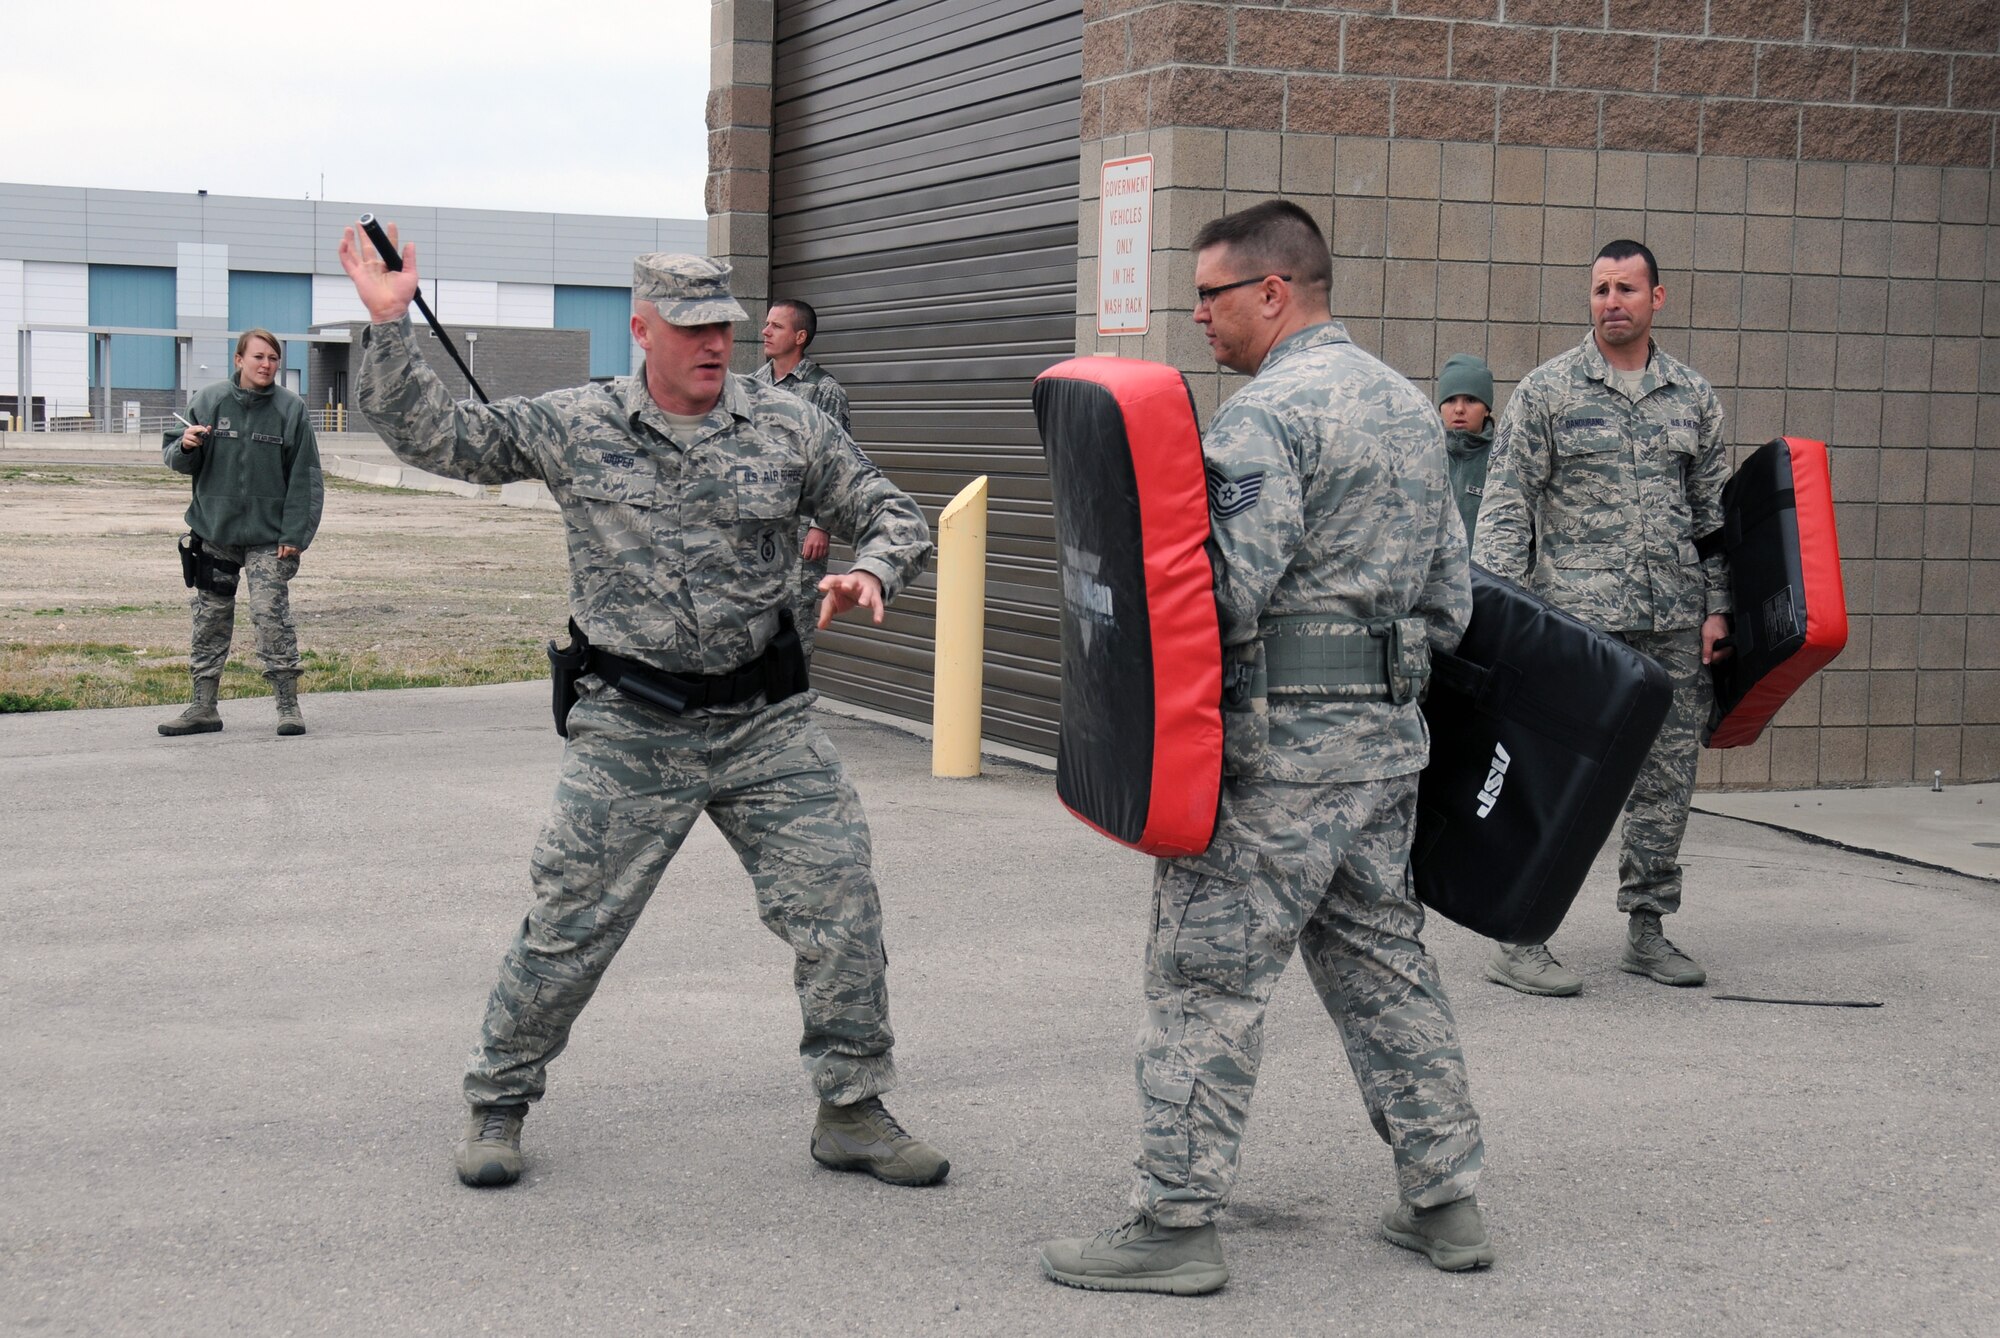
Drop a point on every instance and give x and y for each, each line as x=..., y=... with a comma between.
x=257, y=501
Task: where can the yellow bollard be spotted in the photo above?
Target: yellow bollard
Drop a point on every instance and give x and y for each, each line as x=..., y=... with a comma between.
x=957, y=683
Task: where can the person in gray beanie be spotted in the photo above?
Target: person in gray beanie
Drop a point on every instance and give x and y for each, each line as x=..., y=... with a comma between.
x=1465, y=400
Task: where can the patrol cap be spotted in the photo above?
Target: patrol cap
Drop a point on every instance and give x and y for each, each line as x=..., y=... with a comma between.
x=689, y=290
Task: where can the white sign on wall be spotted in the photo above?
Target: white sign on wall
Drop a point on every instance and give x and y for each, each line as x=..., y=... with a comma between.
x=1125, y=246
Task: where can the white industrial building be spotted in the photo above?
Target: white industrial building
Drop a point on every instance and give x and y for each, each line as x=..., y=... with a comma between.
x=82, y=269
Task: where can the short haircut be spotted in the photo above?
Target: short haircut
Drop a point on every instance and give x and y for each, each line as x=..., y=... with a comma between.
x=243, y=341
x=1275, y=237
x=1624, y=249
x=807, y=318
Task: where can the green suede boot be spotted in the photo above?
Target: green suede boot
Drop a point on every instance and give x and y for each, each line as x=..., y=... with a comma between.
x=199, y=718
x=1452, y=1235
x=290, y=722
x=1140, y=1255
x=1529, y=968
x=1648, y=952
x=866, y=1137
x=490, y=1153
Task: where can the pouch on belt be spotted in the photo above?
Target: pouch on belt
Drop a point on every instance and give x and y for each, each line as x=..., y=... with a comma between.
x=202, y=569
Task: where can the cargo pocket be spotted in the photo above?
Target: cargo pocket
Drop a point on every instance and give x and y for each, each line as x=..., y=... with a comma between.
x=1210, y=909
x=1161, y=1080
x=1166, y=1130
x=514, y=1014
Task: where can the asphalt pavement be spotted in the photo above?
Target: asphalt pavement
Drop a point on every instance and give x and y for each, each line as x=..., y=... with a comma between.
x=240, y=974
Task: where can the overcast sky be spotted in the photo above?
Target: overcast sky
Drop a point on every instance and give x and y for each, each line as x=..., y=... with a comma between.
x=588, y=107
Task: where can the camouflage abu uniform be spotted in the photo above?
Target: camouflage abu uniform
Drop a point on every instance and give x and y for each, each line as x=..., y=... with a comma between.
x=816, y=386
x=680, y=556
x=1595, y=502
x=1331, y=510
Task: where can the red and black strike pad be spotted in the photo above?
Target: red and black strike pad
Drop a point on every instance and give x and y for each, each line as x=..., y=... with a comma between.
x=1784, y=582
x=1139, y=756
x=1539, y=723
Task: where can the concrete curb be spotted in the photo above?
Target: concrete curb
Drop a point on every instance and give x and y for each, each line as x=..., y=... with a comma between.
x=920, y=729
x=532, y=495
x=1955, y=829
x=397, y=476
x=143, y=448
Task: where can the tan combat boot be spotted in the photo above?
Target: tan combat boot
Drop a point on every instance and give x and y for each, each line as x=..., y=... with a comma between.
x=1140, y=1255
x=290, y=722
x=489, y=1155
x=199, y=718
x=1529, y=968
x=1649, y=952
x=866, y=1137
x=1452, y=1235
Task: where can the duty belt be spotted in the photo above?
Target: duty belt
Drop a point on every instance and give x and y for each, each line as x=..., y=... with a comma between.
x=1320, y=655
x=778, y=673
x=679, y=693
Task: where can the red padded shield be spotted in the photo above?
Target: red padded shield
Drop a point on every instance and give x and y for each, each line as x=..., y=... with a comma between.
x=1140, y=752
x=1784, y=577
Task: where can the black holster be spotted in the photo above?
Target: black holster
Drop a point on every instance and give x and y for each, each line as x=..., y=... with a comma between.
x=778, y=673
x=566, y=665
x=203, y=570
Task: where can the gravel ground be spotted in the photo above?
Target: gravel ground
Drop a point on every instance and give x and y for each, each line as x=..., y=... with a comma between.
x=423, y=586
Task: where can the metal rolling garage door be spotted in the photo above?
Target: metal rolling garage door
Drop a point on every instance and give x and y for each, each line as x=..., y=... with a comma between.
x=924, y=201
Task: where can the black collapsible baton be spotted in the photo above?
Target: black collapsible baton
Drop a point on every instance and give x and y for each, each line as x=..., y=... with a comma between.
x=395, y=261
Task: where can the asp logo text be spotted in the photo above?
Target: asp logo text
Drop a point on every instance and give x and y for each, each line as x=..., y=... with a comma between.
x=1496, y=776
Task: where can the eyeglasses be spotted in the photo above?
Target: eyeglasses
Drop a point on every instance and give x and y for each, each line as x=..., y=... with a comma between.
x=1204, y=296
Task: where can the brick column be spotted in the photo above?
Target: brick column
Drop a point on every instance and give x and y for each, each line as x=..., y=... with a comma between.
x=738, y=193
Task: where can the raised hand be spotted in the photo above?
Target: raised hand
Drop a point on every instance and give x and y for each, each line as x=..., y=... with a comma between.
x=385, y=292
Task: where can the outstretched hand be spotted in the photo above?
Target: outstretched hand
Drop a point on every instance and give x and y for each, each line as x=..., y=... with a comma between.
x=385, y=292
x=847, y=590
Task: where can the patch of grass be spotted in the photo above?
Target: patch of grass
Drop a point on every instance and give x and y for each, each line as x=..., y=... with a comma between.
x=341, y=672
x=85, y=610
x=92, y=475
x=90, y=675
x=15, y=703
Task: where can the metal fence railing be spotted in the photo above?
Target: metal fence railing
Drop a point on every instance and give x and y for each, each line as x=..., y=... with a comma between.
x=327, y=418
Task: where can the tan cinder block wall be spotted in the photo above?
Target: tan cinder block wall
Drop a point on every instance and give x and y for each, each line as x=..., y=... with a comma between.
x=1817, y=180
x=738, y=190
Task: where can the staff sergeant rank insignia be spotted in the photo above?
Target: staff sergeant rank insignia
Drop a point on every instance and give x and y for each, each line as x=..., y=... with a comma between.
x=1232, y=497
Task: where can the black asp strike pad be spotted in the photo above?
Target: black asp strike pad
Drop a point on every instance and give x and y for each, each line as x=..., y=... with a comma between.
x=1139, y=756
x=1539, y=724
